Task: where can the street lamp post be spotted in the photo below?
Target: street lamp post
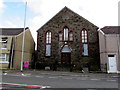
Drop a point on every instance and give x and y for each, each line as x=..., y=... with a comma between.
x=22, y=57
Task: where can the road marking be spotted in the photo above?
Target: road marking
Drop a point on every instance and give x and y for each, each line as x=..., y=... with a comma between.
x=39, y=76
x=22, y=75
x=115, y=76
x=94, y=79
x=112, y=80
x=25, y=85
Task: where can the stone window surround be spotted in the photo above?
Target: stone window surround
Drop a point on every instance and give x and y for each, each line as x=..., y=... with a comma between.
x=70, y=35
x=48, y=35
x=83, y=42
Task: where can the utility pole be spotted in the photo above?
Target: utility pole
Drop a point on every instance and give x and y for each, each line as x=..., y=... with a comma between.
x=23, y=41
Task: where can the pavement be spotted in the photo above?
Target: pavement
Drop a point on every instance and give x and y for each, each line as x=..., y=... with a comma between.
x=60, y=73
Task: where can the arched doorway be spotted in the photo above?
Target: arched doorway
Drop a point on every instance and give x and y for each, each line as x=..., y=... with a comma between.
x=66, y=55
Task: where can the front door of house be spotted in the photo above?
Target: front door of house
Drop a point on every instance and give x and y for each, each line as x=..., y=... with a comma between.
x=112, y=65
x=66, y=58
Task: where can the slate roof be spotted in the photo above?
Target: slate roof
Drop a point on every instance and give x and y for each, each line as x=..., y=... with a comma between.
x=111, y=29
x=11, y=31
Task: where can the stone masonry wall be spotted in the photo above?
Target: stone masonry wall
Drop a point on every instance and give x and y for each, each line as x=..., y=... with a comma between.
x=75, y=23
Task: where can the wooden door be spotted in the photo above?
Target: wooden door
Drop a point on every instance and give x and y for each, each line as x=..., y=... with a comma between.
x=66, y=58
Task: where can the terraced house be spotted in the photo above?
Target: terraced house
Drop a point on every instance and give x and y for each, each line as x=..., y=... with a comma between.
x=11, y=47
x=68, y=40
x=109, y=37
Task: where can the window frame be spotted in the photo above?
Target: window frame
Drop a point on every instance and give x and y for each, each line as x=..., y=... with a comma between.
x=5, y=58
x=49, y=42
x=3, y=43
x=48, y=37
x=3, y=46
x=60, y=32
x=66, y=37
x=4, y=39
x=84, y=40
x=71, y=32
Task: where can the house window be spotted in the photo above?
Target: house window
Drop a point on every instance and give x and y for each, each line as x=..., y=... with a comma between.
x=66, y=33
x=84, y=43
x=48, y=44
x=48, y=50
x=60, y=36
x=3, y=43
x=3, y=46
x=71, y=36
x=84, y=36
x=4, y=58
x=48, y=37
x=4, y=39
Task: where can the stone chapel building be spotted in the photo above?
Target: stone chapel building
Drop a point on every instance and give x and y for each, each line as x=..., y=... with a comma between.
x=68, y=39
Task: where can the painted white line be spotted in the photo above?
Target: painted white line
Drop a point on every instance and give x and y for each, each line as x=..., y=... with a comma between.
x=45, y=87
x=112, y=80
x=39, y=76
x=115, y=76
x=94, y=79
x=19, y=75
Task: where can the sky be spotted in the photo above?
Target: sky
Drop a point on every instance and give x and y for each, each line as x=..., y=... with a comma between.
x=38, y=12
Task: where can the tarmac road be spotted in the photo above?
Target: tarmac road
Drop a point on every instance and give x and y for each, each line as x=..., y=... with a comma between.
x=62, y=80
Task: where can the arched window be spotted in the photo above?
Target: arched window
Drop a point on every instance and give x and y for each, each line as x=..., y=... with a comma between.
x=48, y=37
x=71, y=36
x=84, y=42
x=48, y=44
x=60, y=36
x=84, y=36
x=66, y=35
x=66, y=30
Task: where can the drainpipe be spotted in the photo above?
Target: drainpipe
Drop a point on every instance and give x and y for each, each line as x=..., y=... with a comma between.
x=11, y=61
x=119, y=32
x=118, y=51
x=106, y=53
x=118, y=48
